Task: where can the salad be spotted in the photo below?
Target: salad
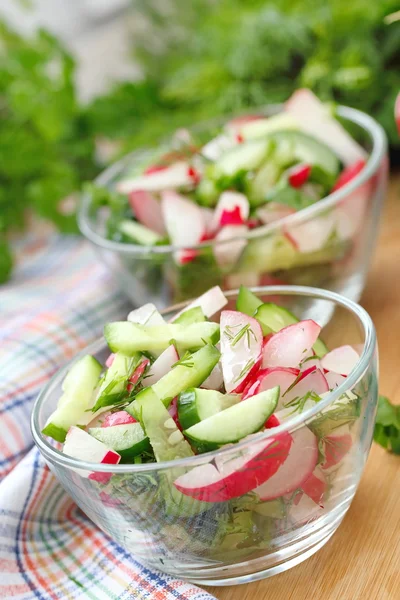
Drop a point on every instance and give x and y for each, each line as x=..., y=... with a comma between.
x=171, y=391
x=217, y=199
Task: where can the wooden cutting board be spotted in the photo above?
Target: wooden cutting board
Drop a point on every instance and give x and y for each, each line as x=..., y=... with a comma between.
x=362, y=559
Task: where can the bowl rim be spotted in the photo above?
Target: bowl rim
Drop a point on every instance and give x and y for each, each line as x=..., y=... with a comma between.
x=292, y=423
x=366, y=122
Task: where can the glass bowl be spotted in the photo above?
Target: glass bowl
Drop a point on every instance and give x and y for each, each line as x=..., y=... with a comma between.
x=339, y=232
x=238, y=540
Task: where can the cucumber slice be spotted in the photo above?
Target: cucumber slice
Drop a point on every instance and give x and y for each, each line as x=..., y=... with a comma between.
x=273, y=318
x=113, y=388
x=165, y=438
x=139, y=233
x=243, y=157
x=247, y=302
x=196, y=404
x=305, y=148
x=130, y=338
x=128, y=440
x=191, y=373
x=73, y=405
x=236, y=422
x=193, y=315
x=265, y=179
x=262, y=127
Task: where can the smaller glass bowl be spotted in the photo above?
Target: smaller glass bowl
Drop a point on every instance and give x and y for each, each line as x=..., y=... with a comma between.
x=237, y=541
x=340, y=231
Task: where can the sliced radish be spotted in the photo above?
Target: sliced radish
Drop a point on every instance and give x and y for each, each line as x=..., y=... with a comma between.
x=315, y=486
x=334, y=379
x=137, y=374
x=120, y=417
x=183, y=218
x=215, y=380
x=269, y=378
x=336, y=445
x=210, y=303
x=310, y=363
x=161, y=366
x=314, y=118
x=208, y=218
x=341, y=360
x=98, y=419
x=312, y=381
x=241, y=348
x=299, y=174
x=349, y=173
x=147, y=210
x=110, y=360
x=79, y=444
x=287, y=347
x=311, y=235
x=176, y=176
x=295, y=470
x=232, y=208
x=272, y=211
x=216, y=147
x=350, y=212
x=304, y=510
x=173, y=411
x=232, y=477
x=146, y=315
x=227, y=253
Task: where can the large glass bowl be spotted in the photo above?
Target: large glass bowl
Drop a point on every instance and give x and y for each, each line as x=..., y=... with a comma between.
x=340, y=232
x=237, y=541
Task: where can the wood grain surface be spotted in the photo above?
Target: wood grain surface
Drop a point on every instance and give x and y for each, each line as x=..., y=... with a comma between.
x=362, y=559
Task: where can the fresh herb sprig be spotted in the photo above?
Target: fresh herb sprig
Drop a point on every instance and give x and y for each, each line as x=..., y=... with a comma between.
x=387, y=426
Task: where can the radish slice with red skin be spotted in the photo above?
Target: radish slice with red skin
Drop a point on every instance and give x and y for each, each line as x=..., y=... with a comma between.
x=269, y=378
x=311, y=362
x=335, y=446
x=315, y=486
x=184, y=220
x=313, y=381
x=295, y=470
x=110, y=360
x=314, y=118
x=287, y=347
x=304, y=510
x=210, y=303
x=341, y=360
x=175, y=176
x=334, y=379
x=173, y=411
x=80, y=444
x=232, y=477
x=298, y=175
x=137, y=374
x=348, y=173
x=120, y=417
x=161, y=366
x=227, y=254
x=147, y=210
x=311, y=235
x=229, y=202
x=241, y=347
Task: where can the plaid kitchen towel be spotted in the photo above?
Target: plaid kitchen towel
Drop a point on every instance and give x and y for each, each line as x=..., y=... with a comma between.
x=57, y=302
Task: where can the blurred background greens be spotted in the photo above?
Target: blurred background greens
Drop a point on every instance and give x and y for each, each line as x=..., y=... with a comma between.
x=189, y=61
